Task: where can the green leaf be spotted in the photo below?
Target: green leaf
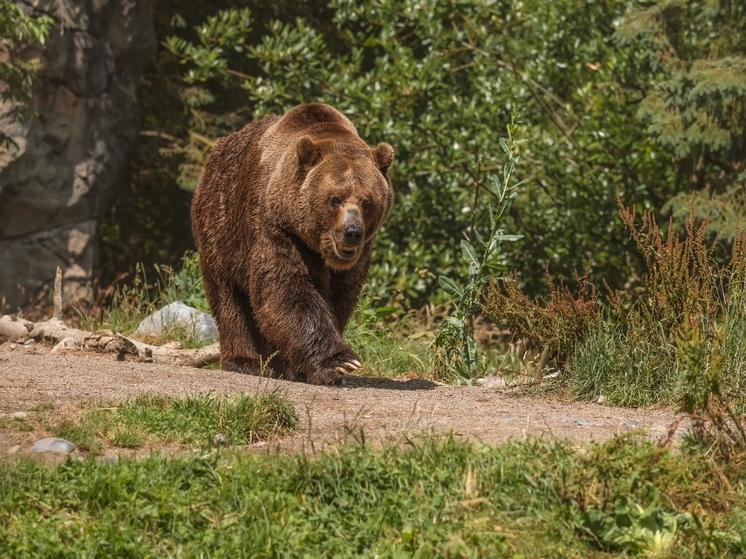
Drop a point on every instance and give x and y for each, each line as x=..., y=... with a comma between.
x=382, y=312
x=479, y=239
x=509, y=237
x=450, y=287
x=453, y=321
x=470, y=253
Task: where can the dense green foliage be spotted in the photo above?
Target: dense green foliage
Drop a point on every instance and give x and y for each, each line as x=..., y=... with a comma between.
x=694, y=101
x=535, y=498
x=437, y=80
x=17, y=32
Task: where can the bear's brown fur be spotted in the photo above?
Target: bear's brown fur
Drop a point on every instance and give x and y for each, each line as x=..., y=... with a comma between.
x=284, y=219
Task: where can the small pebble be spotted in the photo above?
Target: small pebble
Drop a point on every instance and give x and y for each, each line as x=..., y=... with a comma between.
x=219, y=439
x=52, y=444
x=631, y=423
x=589, y=423
x=560, y=418
x=19, y=415
x=601, y=399
x=14, y=449
x=109, y=459
x=29, y=342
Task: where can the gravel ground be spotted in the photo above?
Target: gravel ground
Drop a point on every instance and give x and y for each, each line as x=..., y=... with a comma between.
x=384, y=409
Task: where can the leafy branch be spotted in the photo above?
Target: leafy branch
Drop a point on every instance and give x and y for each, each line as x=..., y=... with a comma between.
x=455, y=341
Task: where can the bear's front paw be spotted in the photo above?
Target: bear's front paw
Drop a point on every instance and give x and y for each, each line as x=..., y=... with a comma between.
x=332, y=370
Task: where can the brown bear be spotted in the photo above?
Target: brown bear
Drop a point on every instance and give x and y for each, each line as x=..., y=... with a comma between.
x=284, y=218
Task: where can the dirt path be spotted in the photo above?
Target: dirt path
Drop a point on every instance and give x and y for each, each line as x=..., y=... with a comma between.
x=385, y=409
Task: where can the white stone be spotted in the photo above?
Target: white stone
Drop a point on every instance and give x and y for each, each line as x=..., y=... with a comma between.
x=52, y=444
x=177, y=314
x=66, y=343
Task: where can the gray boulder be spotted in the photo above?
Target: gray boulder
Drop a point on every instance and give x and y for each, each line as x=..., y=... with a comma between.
x=52, y=444
x=178, y=315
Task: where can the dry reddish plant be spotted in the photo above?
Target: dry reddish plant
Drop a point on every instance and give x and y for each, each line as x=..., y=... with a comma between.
x=681, y=283
x=557, y=323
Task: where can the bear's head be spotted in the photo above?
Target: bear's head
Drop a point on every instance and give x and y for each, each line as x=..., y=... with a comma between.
x=347, y=193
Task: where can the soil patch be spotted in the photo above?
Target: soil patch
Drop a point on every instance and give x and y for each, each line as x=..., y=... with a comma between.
x=381, y=409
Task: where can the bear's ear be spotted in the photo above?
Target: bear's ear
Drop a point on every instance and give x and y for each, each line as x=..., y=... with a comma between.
x=384, y=155
x=308, y=152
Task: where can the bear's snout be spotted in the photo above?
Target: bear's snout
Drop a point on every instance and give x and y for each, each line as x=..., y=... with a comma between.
x=350, y=233
x=353, y=234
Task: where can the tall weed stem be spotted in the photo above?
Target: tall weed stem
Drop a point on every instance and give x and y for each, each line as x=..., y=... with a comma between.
x=455, y=345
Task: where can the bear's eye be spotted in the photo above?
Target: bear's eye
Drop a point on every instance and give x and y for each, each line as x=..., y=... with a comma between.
x=334, y=201
x=367, y=203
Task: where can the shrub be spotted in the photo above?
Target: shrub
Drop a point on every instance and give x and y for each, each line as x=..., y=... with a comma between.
x=556, y=324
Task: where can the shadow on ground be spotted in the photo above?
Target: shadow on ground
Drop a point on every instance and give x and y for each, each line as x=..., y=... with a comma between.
x=351, y=381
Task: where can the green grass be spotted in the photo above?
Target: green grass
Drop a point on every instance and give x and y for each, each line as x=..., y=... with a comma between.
x=392, y=348
x=438, y=498
x=627, y=372
x=195, y=420
x=390, y=353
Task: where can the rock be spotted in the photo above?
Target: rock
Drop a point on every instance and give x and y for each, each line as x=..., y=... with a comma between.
x=66, y=343
x=588, y=423
x=70, y=158
x=219, y=440
x=13, y=328
x=631, y=423
x=198, y=323
x=601, y=399
x=19, y=415
x=52, y=444
x=30, y=342
x=492, y=381
x=13, y=449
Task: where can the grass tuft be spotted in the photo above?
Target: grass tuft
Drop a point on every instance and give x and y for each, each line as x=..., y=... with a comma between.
x=394, y=347
x=195, y=420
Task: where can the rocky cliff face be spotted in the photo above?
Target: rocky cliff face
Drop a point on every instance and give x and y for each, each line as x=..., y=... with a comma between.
x=63, y=176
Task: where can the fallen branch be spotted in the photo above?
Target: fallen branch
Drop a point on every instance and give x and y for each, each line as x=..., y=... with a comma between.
x=105, y=341
x=16, y=329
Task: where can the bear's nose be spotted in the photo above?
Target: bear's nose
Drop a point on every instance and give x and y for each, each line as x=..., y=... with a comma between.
x=353, y=234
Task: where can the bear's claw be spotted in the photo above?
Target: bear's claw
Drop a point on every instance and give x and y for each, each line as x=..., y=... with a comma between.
x=348, y=366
